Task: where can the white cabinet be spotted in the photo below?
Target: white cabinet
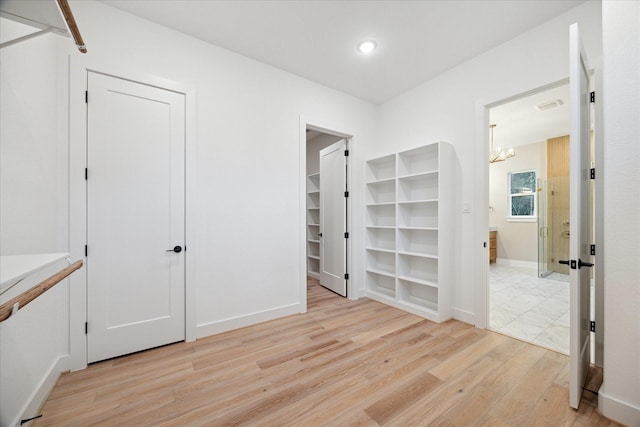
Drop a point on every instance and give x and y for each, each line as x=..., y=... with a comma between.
x=409, y=230
x=313, y=225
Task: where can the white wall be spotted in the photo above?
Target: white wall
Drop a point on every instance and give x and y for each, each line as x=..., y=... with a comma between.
x=517, y=241
x=247, y=163
x=444, y=108
x=33, y=216
x=247, y=159
x=620, y=393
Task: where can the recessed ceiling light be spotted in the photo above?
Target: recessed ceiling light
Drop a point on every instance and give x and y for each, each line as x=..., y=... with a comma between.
x=367, y=47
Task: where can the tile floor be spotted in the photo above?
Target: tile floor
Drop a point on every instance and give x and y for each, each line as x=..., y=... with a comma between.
x=533, y=309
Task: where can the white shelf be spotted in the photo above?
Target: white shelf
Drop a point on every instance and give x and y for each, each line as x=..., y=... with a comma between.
x=389, y=251
x=383, y=215
x=418, y=214
x=409, y=279
x=381, y=169
x=381, y=181
x=381, y=192
x=419, y=160
x=14, y=268
x=418, y=254
x=409, y=230
x=313, y=225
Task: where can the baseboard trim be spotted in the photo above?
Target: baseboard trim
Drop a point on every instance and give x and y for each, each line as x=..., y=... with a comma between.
x=464, y=316
x=617, y=410
x=41, y=393
x=517, y=263
x=211, y=328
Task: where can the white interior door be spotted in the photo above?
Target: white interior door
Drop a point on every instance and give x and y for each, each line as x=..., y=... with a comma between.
x=135, y=217
x=580, y=217
x=333, y=217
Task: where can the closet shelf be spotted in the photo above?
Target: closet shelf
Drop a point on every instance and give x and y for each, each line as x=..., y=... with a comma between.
x=380, y=181
x=418, y=175
x=381, y=272
x=9, y=308
x=418, y=281
x=402, y=227
x=389, y=251
x=414, y=202
x=14, y=268
x=50, y=16
x=418, y=254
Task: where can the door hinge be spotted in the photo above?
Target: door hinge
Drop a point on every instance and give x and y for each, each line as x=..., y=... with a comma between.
x=346, y=276
x=484, y=244
x=346, y=235
x=592, y=173
x=86, y=96
x=86, y=174
x=346, y=153
x=593, y=249
x=86, y=250
x=592, y=97
x=592, y=326
x=346, y=194
x=86, y=328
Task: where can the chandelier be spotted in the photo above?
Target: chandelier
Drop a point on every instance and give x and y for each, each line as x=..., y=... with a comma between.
x=498, y=154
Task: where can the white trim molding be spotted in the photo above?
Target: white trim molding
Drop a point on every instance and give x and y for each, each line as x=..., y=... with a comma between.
x=218, y=326
x=78, y=69
x=615, y=409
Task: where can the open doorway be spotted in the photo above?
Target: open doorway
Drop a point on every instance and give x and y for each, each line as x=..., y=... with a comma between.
x=326, y=210
x=528, y=294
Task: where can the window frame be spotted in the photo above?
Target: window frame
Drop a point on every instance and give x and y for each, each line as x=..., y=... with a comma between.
x=522, y=218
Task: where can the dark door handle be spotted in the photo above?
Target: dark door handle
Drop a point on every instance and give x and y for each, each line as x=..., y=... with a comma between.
x=319, y=234
x=563, y=261
x=176, y=249
x=584, y=264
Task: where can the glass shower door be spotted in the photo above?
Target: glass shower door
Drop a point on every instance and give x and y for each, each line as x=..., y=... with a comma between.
x=543, y=229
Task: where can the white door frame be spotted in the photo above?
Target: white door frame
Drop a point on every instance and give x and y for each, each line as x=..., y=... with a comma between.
x=331, y=129
x=481, y=229
x=481, y=219
x=78, y=68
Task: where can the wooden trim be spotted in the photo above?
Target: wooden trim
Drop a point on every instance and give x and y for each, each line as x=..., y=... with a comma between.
x=65, y=9
x=26, y=297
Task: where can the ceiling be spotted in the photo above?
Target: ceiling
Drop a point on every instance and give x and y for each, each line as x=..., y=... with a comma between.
x=417, y=40
x=519, y=122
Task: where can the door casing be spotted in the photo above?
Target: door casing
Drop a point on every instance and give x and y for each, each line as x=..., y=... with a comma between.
x=79, y=67
x=343, y=132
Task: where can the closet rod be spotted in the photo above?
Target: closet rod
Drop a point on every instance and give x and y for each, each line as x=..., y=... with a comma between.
x=71, y=24
x=14, y=304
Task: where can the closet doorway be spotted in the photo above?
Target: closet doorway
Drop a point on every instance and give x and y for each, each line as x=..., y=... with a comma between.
x=529, y=219
x=326, y=209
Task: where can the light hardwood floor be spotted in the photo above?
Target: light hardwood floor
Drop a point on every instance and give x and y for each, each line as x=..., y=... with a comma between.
x=344, y=363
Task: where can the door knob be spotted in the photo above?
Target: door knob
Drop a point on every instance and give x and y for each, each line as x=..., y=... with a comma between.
x=176, y=249
x=563, y=261
x=584, y=264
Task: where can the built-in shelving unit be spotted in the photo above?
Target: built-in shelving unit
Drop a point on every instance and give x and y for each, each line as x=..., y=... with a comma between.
x=409, y=230
x=313, y=225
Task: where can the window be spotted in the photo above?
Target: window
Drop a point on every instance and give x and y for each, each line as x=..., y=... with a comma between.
x=522, y=194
